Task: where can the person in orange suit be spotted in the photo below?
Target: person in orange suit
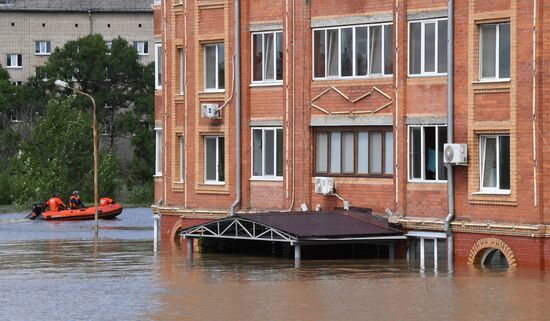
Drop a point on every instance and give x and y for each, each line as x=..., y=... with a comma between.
x=75, y=202
x=55, y=203
x=105, y=200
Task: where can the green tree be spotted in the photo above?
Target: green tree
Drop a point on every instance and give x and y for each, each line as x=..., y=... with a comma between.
x=58, y=157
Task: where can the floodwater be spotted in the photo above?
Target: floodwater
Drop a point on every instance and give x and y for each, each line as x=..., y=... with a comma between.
x=56, y=271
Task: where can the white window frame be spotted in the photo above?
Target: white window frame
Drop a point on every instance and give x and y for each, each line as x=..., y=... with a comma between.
x=181, y=142
x=140, y=48
x=354, y=60
x=217, y=180
x=423, y=155
x=158, y=65
x=423, y=73
x=216, y=89
x=43, y=50
x=158, y=151
x=275, y=142
x=17, y=56
x=482, y=151
x=497, y=53
x=264, y=81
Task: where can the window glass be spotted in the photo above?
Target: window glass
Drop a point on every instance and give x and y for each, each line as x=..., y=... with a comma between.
x=221, y=67
x=221, y=159
x=335, y=152
x=488, y=51
x=429, y=47
x=388, y=49
x=346, y=51
x=279, y=152
x=363, y=152
x=416, y=152
x=210, y=66
x=442, y=46
x=348, y=154
x=257, y=57
x=430, y=162
x=257, y=156
x=269, y=73
x=321, y=146
x=210, y=158
x=504, y=162
x=442, y=136
x=375, y=54
x=415, y=49
x=388, y=152
x=269, y=152
x=504, y=50
x=332, y=45
x=279, y=58
x=375, y=155
x=361, y=45
x=319, y=53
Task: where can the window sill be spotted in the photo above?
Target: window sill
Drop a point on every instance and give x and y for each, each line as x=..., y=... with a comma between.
x=212, y=91
x=265, y=179
x=490, y=81
x=157, y=175
x=42, y=54
x=426, y=75
x=14, y=67
x=267, y=84
x=414, y=181
x=373, y=77
x=213, y=184
x=143, y=54
x=503, y=192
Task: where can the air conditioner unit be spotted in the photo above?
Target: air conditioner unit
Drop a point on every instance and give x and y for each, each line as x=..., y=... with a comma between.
x=324, y=185
x=456, y=154
x=211, y=111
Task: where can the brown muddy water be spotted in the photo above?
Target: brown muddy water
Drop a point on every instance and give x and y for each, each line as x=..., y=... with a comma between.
x=56, y=271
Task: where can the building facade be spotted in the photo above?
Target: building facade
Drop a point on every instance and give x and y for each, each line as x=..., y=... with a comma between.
x=358, y=91
x=32, y=29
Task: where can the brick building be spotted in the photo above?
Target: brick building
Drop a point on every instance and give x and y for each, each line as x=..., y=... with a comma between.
x=358, y=91
x=32, y=29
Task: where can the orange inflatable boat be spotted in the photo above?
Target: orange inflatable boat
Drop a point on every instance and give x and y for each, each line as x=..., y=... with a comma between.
x=88, y=213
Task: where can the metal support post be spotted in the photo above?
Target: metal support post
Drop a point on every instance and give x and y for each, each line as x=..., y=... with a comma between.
x=391, y=246
x=297, y=256
x=189, y=249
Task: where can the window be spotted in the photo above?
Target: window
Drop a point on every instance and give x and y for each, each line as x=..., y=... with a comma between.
x=363, y=151
x=494, y=47
x=267, y=152
x=43, y=47
x=181, y=71
x=494, y=163
x=16, y=82
x=158, y=66
x=214, y=68
x=14, y=61
x=181, y=150
x=142, y=47
x=214, y=163
x=428, y=47
x=158, y=151
x=357, y=51
x=426, y=153
x=267, y=56
x=109, y=44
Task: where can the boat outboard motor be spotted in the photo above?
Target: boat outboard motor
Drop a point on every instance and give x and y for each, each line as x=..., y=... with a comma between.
x=36, y=211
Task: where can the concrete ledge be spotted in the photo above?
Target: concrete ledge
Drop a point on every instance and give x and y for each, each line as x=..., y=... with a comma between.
x=351, y=20
x=266, y=122
x=427, y=15
x=351, y=121
x=272, y=26
x=426, y=120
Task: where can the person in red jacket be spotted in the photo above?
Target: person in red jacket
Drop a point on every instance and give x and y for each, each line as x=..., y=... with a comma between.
x=55, y=203
x=75, y=202
x=105, y=200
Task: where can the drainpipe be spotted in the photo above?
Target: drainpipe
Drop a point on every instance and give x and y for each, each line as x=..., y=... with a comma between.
x=91, y=21
x=237, y=27
x=450, y=133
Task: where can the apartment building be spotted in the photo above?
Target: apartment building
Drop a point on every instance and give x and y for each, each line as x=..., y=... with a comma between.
x=32, y=29
x=358, y=91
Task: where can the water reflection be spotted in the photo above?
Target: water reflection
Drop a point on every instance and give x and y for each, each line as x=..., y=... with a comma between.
x=59, y=272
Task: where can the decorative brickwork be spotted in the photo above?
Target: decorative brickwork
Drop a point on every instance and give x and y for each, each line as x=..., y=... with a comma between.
x=477, y=251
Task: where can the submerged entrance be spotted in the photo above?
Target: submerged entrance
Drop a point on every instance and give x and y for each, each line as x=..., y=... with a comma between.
x=493, y=258
x=298, y=229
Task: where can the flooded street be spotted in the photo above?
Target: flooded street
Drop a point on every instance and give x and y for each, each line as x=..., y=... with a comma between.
x=55, y=271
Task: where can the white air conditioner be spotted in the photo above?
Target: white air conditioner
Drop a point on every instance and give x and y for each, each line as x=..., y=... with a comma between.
x=456, y=154
x=324, y=185
x=211, y=111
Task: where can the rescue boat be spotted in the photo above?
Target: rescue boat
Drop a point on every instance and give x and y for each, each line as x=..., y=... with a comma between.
x=87, y=213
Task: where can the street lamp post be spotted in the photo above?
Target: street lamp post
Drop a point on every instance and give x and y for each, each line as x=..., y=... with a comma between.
x=65, y=85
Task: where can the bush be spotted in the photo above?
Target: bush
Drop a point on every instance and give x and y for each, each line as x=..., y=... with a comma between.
x=142, y=194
